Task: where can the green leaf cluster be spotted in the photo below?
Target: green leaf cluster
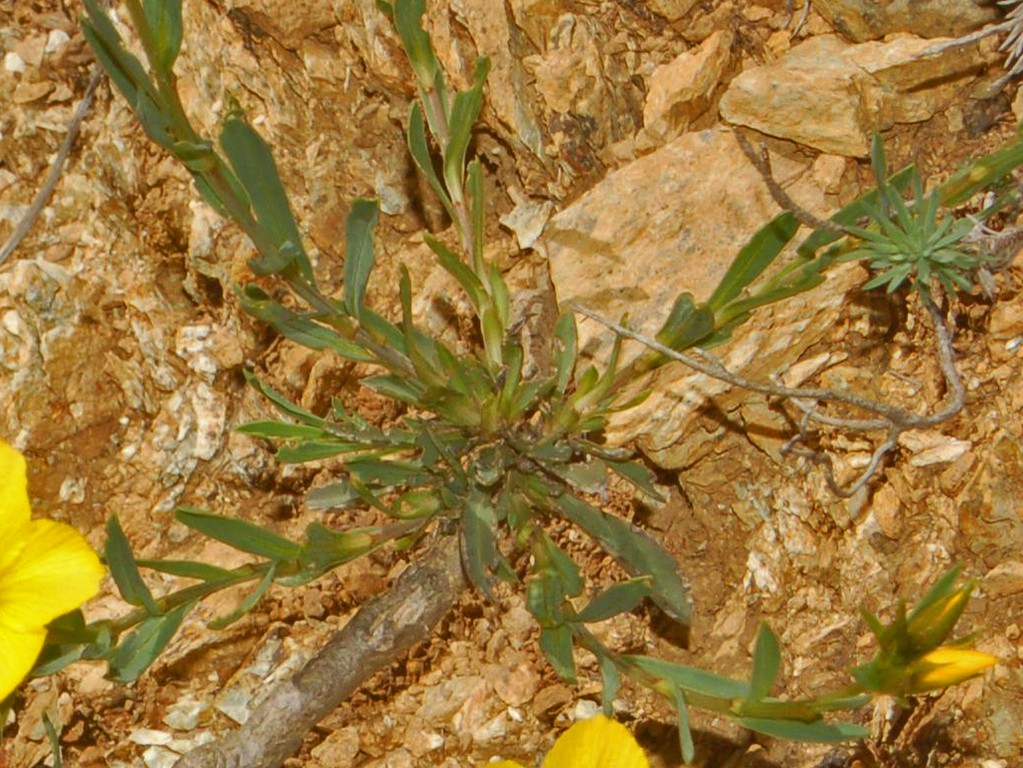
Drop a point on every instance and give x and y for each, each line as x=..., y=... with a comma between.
x=910, y=241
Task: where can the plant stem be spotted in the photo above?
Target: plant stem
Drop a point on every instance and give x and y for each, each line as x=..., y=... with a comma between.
x=383, y=628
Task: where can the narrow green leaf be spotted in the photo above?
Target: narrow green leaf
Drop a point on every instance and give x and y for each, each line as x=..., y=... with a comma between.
x=942, y=589
x=53, y=737
x=686, y=324
x=359, y=258
x=407, y=15
x=455, y=408
x=878, y=162
x=239, y=534
x=766, y=663
x=980, y=174
x=528, y=395
x=123, y=68
x=493, y=337
x=68, y=638
x=635, y=551
x=464, y=111
x=382, y=329
x=300, y=328
x=585, y=476
x=124, y=570
x=419, y=148
x=738, y=312
x=476, y=211
x=611, y=682
x=152, y=114
x=619, y=598
x=248, y=603
x=164, y=19
x=759, y=253
x=423, y=351
x=563, y=568
x=324, y=550
x=417, y=504
x=455, y=267
x=545, y=590
x=513, y=356
x=402, y=389
x=198, y=157
x=253, y=164
x=52, y=659
x=279, y=430
x=283, y=404
x=692, y=679
x=556, y=644
x=189, y=569
x=793, y=730
x=373, y=472
x=339, y=495
x=314, y=450
x=143, y=645
x=566, y=348
x=479, y=543
x=685, y=736
x=637, y=474
x=499, y=292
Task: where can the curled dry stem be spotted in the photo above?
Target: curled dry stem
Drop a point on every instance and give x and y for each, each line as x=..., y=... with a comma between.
x=892, y=419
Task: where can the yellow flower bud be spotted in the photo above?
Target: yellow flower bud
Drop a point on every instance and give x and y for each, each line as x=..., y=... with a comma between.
x=947, y=666
x=927, y=628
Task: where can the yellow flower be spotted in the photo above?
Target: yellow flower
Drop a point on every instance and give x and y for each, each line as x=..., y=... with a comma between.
x=947, y=666
x=46, y=570
x=595, y=743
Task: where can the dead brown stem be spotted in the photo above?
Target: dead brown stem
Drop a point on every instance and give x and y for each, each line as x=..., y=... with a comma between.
x=892, y=419
x=382, y=629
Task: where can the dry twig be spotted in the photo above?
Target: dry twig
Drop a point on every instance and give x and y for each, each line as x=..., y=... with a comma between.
x=892, y=419
x=382, y=629
x=43, y=196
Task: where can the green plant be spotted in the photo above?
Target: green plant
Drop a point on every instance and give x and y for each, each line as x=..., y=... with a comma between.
x=483, y=448
x=910, y=241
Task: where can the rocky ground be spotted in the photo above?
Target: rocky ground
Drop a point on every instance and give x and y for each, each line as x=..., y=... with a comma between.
x=614, y=174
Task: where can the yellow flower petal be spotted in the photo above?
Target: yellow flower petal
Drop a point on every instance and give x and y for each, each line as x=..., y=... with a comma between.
x=54, y=572
x=18, y=654
x=46, y=569
x=947, y=666
x=14, y=509
x=596, y=743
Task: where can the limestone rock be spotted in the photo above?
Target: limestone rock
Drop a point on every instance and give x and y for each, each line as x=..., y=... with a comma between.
x=831, y=95
x=587, y=85
x=512, y=98
x=681, y=90
x=671, y=222
x=862, y=20
x=287, y=22
x=672, y=10
x=569, y=77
